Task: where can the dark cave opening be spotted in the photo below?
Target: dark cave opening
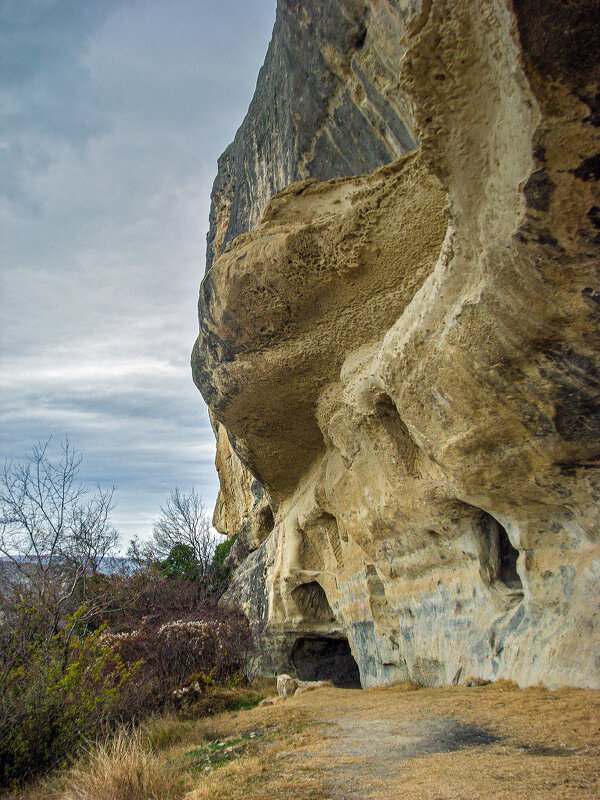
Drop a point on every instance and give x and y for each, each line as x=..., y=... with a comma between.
x=499, y=554
x=507, y=561
x=320, y=658
x=267, y=522
x=498, y=557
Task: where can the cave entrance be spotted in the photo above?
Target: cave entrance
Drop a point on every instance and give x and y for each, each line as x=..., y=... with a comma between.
x=321, y=658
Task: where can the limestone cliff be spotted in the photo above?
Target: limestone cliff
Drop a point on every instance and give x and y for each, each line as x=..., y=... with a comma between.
x=401, y=351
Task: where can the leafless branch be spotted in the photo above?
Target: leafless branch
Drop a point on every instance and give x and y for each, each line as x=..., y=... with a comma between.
x=53, y=533
x=185, y=520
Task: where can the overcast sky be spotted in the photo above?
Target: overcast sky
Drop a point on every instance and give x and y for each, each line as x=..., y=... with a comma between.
x=113, y=115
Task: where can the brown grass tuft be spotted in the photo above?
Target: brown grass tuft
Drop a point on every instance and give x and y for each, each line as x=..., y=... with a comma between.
x=124, y=768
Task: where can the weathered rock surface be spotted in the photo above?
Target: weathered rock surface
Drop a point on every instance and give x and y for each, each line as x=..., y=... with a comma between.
x=286, y=685
x=242, y=508
x=408, y=360
x=327, y=103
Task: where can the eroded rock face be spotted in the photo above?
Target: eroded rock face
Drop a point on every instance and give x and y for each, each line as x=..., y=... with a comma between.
x=408, y=361
x=327, y=104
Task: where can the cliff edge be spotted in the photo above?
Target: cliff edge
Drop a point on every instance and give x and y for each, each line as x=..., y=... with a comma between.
x=399, y=343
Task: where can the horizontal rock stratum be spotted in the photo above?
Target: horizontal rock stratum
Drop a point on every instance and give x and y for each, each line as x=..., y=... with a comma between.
x=400, y=347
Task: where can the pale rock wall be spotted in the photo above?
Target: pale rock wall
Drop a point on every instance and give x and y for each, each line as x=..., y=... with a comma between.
x=242, y=508
x=408, y=361
x=236, y=499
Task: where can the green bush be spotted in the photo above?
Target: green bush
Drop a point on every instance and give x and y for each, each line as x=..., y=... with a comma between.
x=181, y=563
x=220, y=573
x=222, y=551
x=57, y=693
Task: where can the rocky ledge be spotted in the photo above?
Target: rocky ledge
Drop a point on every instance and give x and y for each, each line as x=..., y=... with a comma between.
x=399, y=343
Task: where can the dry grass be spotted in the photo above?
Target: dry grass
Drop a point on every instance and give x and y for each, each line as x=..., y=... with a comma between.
x=162, y=733
x=307, y=758
x=126, y=769
x=342, y=743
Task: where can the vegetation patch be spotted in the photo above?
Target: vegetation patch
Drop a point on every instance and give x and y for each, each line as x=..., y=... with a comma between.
x=218, y=753
x=85, y=651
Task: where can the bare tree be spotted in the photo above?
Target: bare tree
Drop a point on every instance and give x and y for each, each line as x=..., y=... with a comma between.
x=53, y=534
x=185, y=520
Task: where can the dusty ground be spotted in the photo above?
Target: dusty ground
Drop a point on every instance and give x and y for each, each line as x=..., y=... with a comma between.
x=416, y=744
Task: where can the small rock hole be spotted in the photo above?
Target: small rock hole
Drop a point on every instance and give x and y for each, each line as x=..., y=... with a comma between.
x=312, y=603
x=507, y=558
x=266, y=519
x=497, y=556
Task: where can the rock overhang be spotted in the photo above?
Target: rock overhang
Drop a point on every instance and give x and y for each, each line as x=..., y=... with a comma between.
x=330, y=268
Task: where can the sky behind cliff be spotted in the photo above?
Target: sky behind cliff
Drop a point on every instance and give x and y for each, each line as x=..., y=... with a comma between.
x=115, y=112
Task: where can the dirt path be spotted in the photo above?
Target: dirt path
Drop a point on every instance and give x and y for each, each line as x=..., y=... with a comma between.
x=384, y=756
x=430, y=744
x=382, y=746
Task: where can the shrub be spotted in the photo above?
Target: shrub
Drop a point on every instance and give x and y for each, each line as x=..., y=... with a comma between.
x=180, y=563
x=212, y=649
x=59, y=691
x=66, y=689
x=150, y=596
x=222, y=551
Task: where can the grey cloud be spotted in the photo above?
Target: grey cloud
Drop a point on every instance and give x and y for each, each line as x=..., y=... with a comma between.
x=116, y=113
